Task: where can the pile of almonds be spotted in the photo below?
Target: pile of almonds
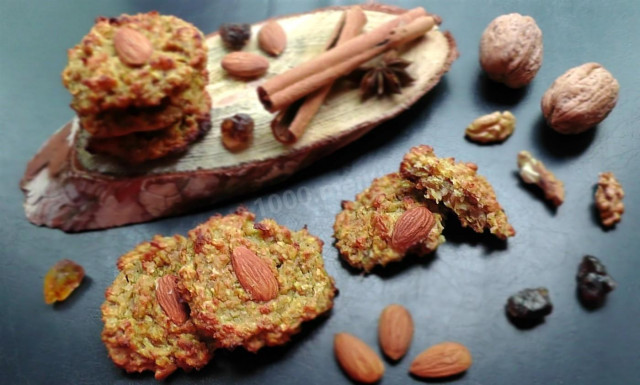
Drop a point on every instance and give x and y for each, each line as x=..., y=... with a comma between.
x=395, y=331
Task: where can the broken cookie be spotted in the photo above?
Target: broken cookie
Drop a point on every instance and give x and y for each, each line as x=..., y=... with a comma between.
x=458, y=187
x=385, y=222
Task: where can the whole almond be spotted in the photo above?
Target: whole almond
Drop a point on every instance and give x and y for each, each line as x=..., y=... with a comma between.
x=395, y=330
x=357, y=359
x=412, y=227
x=132, y=47
x=441, y=360
x=272, y=39
x=245, y=64
x=254, y=274
x=169, y=299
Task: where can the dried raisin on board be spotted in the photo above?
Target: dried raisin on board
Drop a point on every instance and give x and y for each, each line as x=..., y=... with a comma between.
x=61, y=280
x=237, y=132
x=529, y=305
x=594, y=283
x=235, y=36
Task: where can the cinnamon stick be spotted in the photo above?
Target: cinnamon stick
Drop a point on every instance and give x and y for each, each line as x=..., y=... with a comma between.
x=282, y=90
x=289, y=125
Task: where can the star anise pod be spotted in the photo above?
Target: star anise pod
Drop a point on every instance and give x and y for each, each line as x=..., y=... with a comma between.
x=385, y=77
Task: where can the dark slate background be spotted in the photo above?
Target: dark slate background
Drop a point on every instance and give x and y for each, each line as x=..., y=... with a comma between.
x=457, y=295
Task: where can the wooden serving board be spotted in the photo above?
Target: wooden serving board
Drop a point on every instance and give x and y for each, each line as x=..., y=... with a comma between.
x=68, y=188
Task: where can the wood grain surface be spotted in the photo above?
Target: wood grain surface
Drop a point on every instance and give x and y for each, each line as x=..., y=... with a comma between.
x=87, y=191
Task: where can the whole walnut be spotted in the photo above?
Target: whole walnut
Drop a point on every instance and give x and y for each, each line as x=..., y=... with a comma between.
x=579, y=99
x=511, y=49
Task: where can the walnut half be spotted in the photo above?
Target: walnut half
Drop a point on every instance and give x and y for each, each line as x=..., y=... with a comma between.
x=490, y=128
x=609, y=196
x=533, y=171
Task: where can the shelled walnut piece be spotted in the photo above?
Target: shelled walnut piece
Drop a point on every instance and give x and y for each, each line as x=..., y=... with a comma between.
x=490, y=128
x=533, y=171
x=608, y=197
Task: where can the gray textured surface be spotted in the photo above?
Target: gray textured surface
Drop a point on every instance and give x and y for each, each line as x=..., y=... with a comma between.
x=458, y=295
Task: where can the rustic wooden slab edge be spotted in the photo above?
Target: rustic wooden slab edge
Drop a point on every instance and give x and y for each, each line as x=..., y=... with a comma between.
x=66, y=189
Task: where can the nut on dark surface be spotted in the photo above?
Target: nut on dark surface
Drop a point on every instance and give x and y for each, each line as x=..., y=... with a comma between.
x=235, y=36
x=580, y=98
x=511, y=50
x=529, y=306
x=237, y=132
x=594, y=283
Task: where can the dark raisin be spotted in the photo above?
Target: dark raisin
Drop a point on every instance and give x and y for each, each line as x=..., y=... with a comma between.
x=235, y=36
x=237, y=132
x=594, y=283
x=529, y=306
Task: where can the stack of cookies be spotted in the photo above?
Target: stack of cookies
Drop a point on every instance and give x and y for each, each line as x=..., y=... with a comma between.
x=233, y=282
x=138, y=86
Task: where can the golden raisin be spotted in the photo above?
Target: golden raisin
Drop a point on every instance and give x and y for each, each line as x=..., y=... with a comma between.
x=61, y=280
x=237, y=132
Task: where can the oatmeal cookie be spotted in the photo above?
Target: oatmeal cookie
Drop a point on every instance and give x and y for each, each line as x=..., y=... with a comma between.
x=99, y=80
x=459, y=187
x=364, y=228
x=143, y=146
x=137, y=332
x=222, y=309
x=122, y=121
